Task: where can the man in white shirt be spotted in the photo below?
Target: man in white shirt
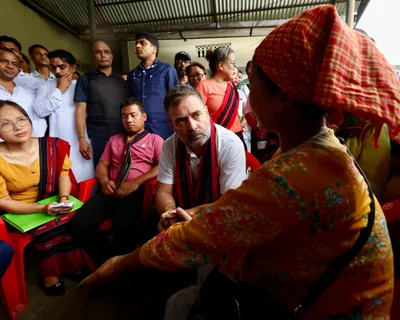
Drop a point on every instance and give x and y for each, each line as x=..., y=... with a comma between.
x=203, y=150
x=9, y=90
x=27, y=80
x=198, y=163
x=39, y=56
x=55, y=99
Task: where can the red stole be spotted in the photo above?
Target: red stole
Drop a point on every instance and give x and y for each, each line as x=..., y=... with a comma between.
x=228, y=111
x=52, y=153
x=206, y=189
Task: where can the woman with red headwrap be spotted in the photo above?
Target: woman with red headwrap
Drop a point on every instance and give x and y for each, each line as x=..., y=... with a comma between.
x=286, y=225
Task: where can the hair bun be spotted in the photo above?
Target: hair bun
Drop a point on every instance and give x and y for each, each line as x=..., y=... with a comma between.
x=209, y=54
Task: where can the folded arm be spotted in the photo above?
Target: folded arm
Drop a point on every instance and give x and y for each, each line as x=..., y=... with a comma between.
x=45, y=102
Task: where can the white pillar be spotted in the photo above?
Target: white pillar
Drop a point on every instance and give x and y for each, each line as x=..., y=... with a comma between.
x=351, y=4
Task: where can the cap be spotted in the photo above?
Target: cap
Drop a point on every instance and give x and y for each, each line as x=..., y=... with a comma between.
x=184, y=54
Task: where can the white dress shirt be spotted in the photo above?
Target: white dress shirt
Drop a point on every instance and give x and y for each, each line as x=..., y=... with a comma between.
x=28, y=81
x=32, y=81
x=231, y=160
x=25, y=98
x=60, y=108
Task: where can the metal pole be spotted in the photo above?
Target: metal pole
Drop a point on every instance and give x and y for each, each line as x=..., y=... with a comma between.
x=92, y=19
x=351, y=4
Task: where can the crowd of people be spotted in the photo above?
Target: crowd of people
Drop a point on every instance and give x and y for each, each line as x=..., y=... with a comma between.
x=278, y=231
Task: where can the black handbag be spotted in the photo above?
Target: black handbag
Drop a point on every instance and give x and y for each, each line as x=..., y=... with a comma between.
x=221, y=298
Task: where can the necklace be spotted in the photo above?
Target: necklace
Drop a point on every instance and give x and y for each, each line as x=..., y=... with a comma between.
x=15, y=158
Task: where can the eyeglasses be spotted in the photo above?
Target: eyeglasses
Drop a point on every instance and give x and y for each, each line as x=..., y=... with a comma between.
x=9, y=125
x=196, y=75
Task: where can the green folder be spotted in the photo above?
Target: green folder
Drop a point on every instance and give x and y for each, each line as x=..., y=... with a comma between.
x=26, y=222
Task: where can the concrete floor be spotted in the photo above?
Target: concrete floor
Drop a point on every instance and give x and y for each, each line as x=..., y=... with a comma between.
x=123, y=301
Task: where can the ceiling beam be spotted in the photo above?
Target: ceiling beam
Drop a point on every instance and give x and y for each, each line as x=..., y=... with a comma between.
x=360, y=11
x=118, y=3
x=131, y=37
x=214, y=11
x=180, y=31
x=39, y=9
x=311, y=3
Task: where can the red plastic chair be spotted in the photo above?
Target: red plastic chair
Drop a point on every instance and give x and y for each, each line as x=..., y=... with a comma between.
x=392, y=214
x=13, y=293
x=252, y=162
x=13, y=285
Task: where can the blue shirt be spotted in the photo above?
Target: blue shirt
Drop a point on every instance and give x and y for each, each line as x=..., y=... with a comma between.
x=150, y=86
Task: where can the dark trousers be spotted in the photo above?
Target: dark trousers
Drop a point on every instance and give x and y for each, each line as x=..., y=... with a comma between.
x=6, y=254
x=99, y=133
x=125, y=214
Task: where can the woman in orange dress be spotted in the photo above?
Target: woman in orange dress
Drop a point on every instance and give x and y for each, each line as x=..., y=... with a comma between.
x=218, y=93
x=283, y=227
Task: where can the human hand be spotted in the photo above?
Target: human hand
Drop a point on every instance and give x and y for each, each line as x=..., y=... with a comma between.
x=108, y=187
x=64, y=82
x=67, y=202
x=84, y=149
x=105, y=275
x=51, y=211
x=171, y=217
x=126, y=189
x=183, y=215
x=167, y=219
x=196, y=210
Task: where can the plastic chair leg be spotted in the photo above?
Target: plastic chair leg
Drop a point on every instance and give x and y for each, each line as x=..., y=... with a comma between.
x=13, y=298
x=19, y=301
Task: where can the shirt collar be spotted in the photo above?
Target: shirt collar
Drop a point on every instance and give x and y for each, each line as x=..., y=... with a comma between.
x=17, y=86
x=98, y=71
x=36, y=74
x=155, y=63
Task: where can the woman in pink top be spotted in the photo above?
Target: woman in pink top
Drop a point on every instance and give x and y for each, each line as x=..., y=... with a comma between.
x=218, y=92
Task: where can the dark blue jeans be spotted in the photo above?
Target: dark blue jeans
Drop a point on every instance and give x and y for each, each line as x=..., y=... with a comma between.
x=6, y=254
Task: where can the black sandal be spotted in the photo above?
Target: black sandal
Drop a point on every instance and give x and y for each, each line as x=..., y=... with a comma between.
x=58, y=289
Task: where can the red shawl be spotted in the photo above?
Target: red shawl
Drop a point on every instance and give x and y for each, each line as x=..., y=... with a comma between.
x=206, y=189
x=52, y=156
x=228, y=111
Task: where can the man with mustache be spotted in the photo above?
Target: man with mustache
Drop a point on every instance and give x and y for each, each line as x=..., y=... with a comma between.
x=55, y=99
x=150, y=81
x=127, y=163
x=98, y=96
x=199, y=162
x=40, y=57
x=12, y=90
x=24, y=79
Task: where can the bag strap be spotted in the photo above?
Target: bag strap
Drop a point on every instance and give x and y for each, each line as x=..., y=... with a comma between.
x=341, y=262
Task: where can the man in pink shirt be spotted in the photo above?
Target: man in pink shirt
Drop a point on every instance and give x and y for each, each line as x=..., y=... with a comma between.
x=129, y=160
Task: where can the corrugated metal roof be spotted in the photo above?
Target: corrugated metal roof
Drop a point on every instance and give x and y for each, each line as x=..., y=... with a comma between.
x=164, y=17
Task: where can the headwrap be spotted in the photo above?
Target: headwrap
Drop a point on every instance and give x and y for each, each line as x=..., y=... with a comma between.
x=316, y=58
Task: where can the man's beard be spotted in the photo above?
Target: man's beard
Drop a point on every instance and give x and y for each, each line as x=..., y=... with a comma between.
x=200, y=141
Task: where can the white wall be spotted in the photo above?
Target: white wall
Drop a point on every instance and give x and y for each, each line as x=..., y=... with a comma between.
x=243, y=47
x=28, y=27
